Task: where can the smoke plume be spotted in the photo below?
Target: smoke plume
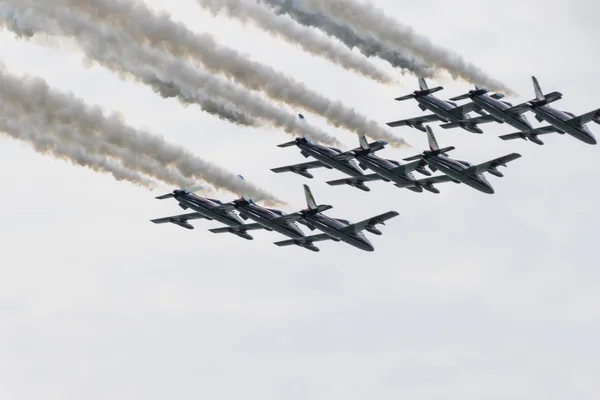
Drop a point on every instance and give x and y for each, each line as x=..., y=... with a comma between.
x=368, y=18
x=308, y=39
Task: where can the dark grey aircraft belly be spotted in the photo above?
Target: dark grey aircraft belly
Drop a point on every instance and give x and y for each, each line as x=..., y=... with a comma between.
x=211, y=214
x=509, y=119
x=351, y=240
x=387, y=174
x=284, y=230
x=472, y=181
x=440, y=112
x=576, y=132
x=332, y=163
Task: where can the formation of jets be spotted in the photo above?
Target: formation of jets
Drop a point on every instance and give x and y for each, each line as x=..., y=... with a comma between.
x=354, y=164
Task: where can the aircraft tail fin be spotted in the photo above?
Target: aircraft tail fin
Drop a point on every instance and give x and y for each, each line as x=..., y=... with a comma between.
x=539, y=95
x=423, y=84
x=364, y=144
x=433, y=144
x=310, y=200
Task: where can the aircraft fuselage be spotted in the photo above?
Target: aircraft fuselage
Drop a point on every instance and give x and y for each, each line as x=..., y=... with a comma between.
x=332, y=227
x=265, y=218
x=558, y=119
x=325, y=155
x=442, y=108
x=498, y=109
x=383, y=167
x=455, y=169
x=205, y=207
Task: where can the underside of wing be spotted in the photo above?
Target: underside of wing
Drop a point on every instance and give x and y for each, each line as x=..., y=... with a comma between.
x=585, y=118
x=491, y=165
x=358, y=181
x=461, y=111
x=417, y=121
x=530, y=134
x=181, y=220
x=369, y=224
x=300, y=169
x=518, y=109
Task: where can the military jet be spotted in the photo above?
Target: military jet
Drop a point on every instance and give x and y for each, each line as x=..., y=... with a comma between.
x=327, y=157
x=561, y=121
x=333, y=228
x=210, y=209
x=501, y=110
x=443, y=110
x=386, y=170
x=460, y=171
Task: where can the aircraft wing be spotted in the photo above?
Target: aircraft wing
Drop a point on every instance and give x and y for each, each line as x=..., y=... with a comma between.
x=361, y=226
x=239, y=228
x=492, y=164
x=518, y=110
x=470, y=121
x=306, y=242
x=415, y=121
x=357, y=181
x=180, y=218
x=530, y=133
x=461, y=111
x=585, y=118
x=436, y=179
x=300, y=169
x=288, y=218
x=403, y=170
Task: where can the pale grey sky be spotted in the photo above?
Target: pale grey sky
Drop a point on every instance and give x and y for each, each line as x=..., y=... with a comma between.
x=466, y=296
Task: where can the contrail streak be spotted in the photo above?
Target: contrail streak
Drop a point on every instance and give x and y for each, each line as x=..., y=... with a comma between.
x=366, y=17
x=67, y=133
x=165, y=73
x=44, y=144
x=66, y=108
x=285, y=28
x=368, y=45
x=162, y=32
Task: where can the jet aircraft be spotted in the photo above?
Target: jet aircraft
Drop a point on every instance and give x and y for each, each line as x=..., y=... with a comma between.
x=560, y=121
x=501, y=110
x=333, y=228
x=460, y=171
x=386, y=170
x=328, y=157
x=443, y=110
x=210, y=209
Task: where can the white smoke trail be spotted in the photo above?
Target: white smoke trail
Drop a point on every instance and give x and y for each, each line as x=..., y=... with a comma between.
x=165, y=73
x=44, y=143
x=65, y=132
x=162, y=32
x=66, y=108
x=368, y=45
x=366, y=17
x=285, y=28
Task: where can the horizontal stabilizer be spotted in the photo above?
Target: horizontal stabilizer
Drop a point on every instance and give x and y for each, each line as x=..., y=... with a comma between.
x=407, y=97
x=165, y=196
x=461, y=97
x=287, y=144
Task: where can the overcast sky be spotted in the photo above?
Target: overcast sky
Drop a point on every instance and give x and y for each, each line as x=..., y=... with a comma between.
x=467, y=295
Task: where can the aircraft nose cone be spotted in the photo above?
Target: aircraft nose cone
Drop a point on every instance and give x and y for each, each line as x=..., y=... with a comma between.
x=591, y=140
